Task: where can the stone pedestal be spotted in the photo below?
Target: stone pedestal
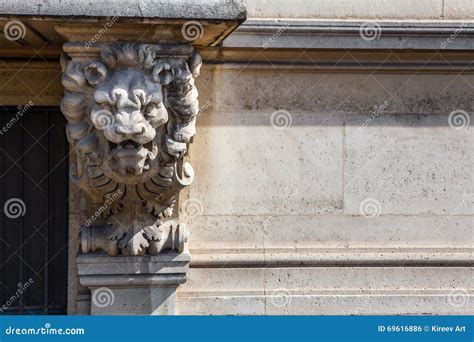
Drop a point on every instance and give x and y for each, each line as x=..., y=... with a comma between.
x=133, y=285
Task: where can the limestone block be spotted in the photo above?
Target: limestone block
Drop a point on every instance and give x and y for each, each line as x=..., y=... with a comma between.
x=409, y=165
x=221, y=234
x=376, y=9
x=329, y=290
x=246, y=166
x=250, y=89
x=458, y=9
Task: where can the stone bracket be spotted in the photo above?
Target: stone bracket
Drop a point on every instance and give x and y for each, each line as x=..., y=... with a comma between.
x=133, y=285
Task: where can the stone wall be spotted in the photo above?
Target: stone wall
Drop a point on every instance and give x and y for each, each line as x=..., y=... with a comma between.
x=350, y=9
x=334, y=174
x=331, y=191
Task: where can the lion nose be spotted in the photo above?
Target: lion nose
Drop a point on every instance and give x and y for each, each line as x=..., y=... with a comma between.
x=129, y=130
x=128, y=126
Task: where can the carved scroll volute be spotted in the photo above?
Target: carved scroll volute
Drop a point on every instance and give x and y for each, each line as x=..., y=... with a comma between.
x=131, y=112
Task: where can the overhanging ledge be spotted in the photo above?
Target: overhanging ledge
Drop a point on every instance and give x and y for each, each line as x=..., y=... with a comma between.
x=202, y=23
x=175, y=9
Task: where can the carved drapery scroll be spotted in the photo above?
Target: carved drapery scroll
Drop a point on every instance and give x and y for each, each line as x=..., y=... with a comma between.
x=131, y=112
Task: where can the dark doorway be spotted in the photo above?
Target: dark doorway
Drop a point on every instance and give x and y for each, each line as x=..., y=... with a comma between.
x=34, y=210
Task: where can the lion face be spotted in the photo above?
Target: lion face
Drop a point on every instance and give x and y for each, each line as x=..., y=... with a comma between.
x=128, y=109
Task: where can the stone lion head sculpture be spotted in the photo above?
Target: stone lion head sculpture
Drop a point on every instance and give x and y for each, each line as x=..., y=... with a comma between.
x=131, y=112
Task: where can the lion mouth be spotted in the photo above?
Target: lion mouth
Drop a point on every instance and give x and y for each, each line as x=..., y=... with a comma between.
x=131, y=145
x=131, y=157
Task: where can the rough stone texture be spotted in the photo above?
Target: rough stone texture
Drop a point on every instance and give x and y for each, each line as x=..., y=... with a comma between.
x=300, y=244
x=141, y=285
x=400, y=243
x=201, y=9
x=353, y=34
x=276, y=224
x=325, y=290
x=320, y=232
x=458, y=9
x=310, y=91
x=283, y=171
x=370, y=9
x=410, y=164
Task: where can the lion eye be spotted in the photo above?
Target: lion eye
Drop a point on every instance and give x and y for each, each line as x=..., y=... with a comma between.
x=150, y=109
x=106, y=106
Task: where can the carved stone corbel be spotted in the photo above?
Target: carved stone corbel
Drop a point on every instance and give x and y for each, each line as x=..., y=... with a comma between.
x=131, y=112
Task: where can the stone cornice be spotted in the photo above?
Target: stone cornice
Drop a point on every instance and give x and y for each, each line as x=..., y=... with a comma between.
x=373, y=34
x=222, y=10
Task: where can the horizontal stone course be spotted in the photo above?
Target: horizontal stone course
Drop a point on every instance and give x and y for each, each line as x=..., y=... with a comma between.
x=368, y=9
